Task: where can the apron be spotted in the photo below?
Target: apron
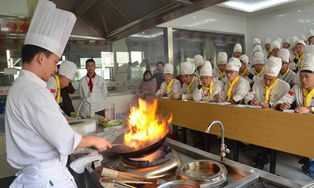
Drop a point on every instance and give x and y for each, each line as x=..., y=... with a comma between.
x=48, y=174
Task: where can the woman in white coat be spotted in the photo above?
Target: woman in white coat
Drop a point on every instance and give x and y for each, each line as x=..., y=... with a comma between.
x=237, y=87
x=38, y=137
x=269, y=91
x=210, y=89
x=171, y=87
x=93, y=91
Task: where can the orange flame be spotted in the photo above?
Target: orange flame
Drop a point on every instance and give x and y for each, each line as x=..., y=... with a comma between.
x=144, y=126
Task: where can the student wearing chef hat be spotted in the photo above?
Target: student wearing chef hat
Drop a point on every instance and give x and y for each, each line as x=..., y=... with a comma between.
x=171, y=87
x=244, y=70
x=258, y=63
x=210, y=89
x=275, y=47
x=286, y=73
x=267, y=47
x=220, y=68
x=301, y=99
x=237, y=50
x=310, y=37
x=190, y=81
x=61, y=79
x=286, y=43
x=269, y=92
x=38, y=137
x=236, y=87
x=299, y=54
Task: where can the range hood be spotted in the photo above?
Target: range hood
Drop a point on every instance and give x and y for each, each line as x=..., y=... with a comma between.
x=115, y=19
x=107, y=19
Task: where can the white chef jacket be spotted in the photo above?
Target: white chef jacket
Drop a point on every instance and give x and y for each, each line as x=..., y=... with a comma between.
x=189, y=92
x=240, y=90
x=35, y=129
x=175, y=91
x=296, y=95
x=290, y=77
x=96, y=98
x=199, y=94
x=277, y=95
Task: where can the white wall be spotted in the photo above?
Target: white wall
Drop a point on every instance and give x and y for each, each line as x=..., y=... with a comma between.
x=214, y=19
x=286, y=22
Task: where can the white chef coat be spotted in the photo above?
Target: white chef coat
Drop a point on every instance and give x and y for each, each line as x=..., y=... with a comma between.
x=96, y=98
x=199, y=94
x=277, y=94
x=188, y=92
x=296, y=95
x=217, y=75
x=38, y=137
x=175, y=91
x=290, y=77
x=240, y=90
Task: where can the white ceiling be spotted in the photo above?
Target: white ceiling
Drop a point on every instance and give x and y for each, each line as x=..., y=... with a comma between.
x=253, y=5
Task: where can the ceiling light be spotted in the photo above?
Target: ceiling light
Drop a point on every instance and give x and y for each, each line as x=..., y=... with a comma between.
x=247, y=6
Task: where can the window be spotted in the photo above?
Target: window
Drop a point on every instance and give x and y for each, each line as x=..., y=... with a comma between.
x=137, y=56
x=122, y=58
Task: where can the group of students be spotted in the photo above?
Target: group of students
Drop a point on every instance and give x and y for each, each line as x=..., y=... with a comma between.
x=277, y=76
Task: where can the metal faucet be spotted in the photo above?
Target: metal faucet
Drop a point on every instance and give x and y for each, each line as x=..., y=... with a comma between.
x=223, y=147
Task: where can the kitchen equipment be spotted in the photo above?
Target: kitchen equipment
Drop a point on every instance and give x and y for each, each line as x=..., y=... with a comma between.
x=208, y=172
x=126, y=151
x=180, y=184
x=83, y=126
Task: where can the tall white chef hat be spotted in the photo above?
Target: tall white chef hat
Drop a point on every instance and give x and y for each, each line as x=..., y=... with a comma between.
x=273, y=66
x=301, y=42
x=276, y=44
x=244, y=59
x=286, y=40
x=168, y=68
x=222, y=58
x=187, y=68
x=234, y=64
x=310, y=34
x=257, y=48
x=206, y=69
x=237, y=48
x=68, y=69
x=257, y=41
x=284, y=54
x=308, y=62
x=199, y=60
x=267, y=41
x=50, y=27
x=258, y=58
x=294, y=40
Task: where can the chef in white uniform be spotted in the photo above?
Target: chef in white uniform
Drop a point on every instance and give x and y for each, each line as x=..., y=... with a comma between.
x=237, y=87
x=220, y=68
x=171, y=87
x=275, y=47
x=299, y=54
x=190, y=81
x=258, y=63
x=301, y=95
x=244, y=70
x=210, y=88
x=270, y=91
x=286, y=43
x=61, y=79
x=199, y=62
x=267, y=47
x=310, y=37
x=237, y=50
x=38, y=137
x=286, y=73
x=93, y=91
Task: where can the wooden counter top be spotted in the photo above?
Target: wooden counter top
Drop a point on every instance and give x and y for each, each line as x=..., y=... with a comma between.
x=288, y=132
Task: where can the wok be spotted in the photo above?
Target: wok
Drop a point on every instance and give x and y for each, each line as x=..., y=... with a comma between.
x=120, y=148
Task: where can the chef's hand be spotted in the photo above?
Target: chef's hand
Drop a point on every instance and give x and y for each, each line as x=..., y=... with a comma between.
x=284, y=106
x=302, y=110
x=254, y=102
x=264, y=105
x=99, y=143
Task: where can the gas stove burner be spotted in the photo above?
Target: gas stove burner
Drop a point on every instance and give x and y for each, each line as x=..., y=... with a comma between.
x=160, y=156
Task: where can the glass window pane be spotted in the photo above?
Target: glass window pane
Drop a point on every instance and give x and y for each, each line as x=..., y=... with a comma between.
x=122, y=58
